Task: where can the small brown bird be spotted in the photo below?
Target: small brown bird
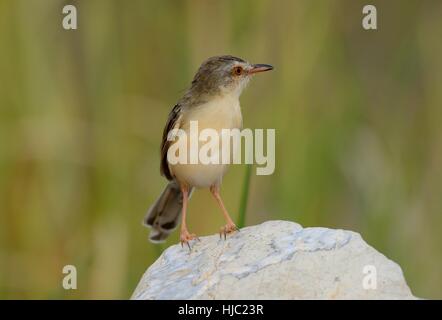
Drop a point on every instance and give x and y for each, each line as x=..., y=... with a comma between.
x=213, y=101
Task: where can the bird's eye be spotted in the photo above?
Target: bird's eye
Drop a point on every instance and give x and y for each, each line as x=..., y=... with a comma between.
x=237, y=70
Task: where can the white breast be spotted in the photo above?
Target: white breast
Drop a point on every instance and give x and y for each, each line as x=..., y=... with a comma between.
x=220, y=113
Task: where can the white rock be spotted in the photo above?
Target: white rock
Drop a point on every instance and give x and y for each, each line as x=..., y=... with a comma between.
x=275, y=260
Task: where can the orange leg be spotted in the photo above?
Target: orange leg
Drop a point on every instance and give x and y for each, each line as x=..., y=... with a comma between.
x=185, y=236
x=230, y=226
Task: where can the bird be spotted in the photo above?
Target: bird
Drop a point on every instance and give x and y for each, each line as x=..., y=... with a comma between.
x=213, y=101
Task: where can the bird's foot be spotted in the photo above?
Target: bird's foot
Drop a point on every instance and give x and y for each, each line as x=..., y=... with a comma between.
x=228, y=228
x=186, y=237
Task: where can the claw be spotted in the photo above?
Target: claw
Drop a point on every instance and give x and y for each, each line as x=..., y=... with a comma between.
x=228, y=228
x=186, y=237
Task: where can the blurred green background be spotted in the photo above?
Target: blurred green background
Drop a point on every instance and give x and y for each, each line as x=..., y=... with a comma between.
x=358, y=119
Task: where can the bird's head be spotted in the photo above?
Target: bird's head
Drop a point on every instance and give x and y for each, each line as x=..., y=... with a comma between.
x=225, y=75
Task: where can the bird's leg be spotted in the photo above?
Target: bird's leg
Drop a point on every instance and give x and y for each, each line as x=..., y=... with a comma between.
x=185, y=236
x=230, y=226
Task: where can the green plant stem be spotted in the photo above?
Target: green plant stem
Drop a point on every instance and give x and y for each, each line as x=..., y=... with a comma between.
x=244, y=197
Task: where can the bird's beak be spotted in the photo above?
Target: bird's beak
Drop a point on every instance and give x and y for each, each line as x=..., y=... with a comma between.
x=260, y=68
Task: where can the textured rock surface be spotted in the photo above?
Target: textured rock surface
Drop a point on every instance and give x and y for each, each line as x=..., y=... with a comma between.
x=274, y=260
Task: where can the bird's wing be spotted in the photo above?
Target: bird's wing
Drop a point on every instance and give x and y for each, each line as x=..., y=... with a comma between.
x=173, y=122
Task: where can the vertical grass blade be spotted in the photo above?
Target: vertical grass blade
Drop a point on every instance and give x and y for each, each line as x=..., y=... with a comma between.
x=244, y=197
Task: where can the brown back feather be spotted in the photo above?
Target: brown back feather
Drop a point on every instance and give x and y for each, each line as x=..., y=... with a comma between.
x=172, y=122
